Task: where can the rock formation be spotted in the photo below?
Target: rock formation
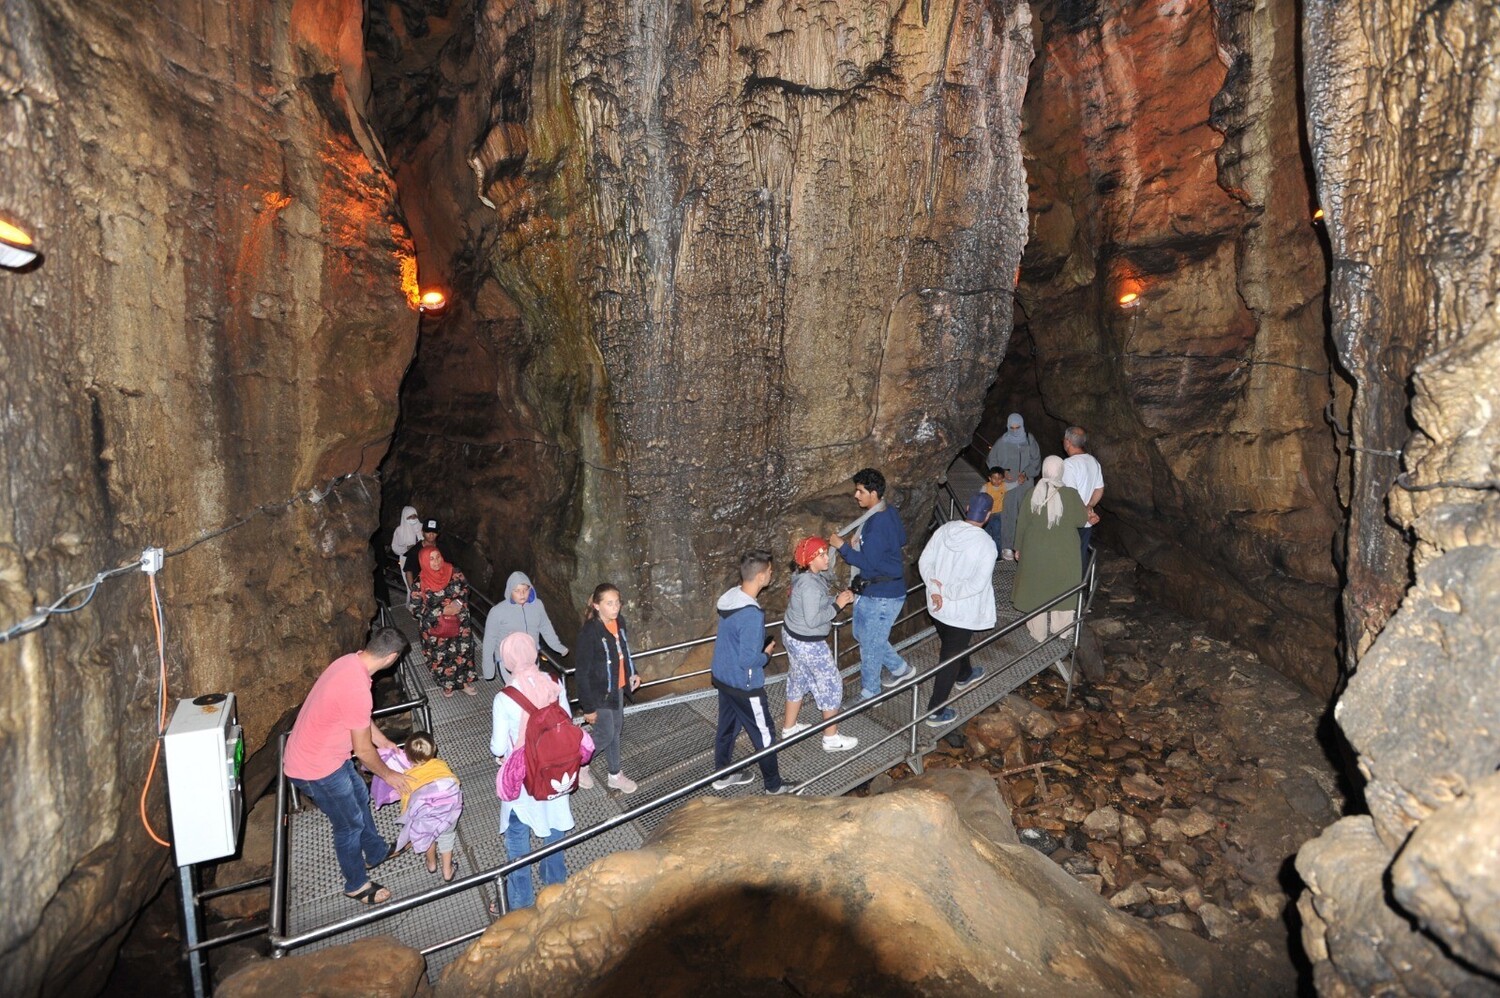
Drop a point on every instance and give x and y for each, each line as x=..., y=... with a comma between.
x=1401, y=107
x=750, y=250
x=219, y=324
x=921, y=891
x=1164, y=160
x=370, y=968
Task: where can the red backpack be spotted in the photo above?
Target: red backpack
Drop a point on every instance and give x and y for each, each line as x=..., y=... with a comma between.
x=553, y=747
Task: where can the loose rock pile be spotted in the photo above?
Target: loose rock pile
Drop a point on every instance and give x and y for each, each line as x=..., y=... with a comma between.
x=1178, y=787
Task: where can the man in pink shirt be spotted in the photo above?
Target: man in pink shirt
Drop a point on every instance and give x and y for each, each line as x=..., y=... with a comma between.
x=335, y=721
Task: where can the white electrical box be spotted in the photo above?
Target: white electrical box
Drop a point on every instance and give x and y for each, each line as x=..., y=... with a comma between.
x=205, y=752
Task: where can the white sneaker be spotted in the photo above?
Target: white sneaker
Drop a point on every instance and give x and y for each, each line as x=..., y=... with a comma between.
x=839, y=743
x=622, y=783
x=1008, y=554
x=789, y=732
x=585, y=778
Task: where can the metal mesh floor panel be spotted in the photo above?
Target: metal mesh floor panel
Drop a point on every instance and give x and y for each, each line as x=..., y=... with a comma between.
x=666, y=744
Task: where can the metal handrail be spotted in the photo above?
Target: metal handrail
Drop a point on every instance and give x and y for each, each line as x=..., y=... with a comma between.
x=280, y=942
x=709, y=639
x=677, y=646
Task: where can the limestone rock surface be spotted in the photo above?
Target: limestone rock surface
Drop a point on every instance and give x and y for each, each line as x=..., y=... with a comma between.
x=894, y=894
x=737, y=254
x=1446, y=875
x=1358, y=943
x=218, y=324
x=370, y=968
x=1165, y=161
x=1406, y=170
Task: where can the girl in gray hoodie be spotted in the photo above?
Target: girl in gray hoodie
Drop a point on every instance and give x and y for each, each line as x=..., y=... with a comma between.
x=804, y=633
x=519, y=610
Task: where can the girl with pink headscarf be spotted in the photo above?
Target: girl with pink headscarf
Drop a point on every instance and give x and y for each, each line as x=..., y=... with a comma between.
x=526, y=816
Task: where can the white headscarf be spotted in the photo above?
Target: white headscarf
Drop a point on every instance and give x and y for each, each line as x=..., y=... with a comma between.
x=1046, y=491
x=1015, y=429
x=408, y=531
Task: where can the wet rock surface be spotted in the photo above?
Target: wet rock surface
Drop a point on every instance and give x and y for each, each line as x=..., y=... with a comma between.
x=218, y=324
x=746, y=252
x=1180, y=797
x=1165, y=160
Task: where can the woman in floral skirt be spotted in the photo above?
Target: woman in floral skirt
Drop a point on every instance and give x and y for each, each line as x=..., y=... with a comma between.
x=442, y=610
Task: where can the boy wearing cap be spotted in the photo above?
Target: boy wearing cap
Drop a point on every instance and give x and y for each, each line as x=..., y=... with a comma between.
x=804, y=632
x=958, y=567
x=413, y=563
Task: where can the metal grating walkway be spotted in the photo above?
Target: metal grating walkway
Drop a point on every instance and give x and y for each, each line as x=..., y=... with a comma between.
x=667, y=743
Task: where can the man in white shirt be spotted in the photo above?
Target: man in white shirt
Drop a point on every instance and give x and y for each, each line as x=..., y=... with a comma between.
x=958, y=568
x=1082, y=473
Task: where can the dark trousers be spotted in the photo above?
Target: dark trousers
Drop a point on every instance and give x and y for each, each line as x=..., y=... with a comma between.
x=1083, y=544
x=746, y=709
x=951, y=641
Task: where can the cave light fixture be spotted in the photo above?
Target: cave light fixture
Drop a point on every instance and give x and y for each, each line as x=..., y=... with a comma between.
x=433, y=302
x=1129, y=299
x=1317, y=214
x=17, y=250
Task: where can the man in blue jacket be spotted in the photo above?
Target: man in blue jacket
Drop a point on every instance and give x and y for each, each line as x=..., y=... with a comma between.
x=739, y=674
x=876, y=552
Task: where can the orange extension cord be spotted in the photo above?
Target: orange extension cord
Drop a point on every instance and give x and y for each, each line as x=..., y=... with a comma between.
x=161, y=722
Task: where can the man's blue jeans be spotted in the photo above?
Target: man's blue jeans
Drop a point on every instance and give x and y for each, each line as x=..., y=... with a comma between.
x=343, y=796
x=553, y=870
x=873, y=618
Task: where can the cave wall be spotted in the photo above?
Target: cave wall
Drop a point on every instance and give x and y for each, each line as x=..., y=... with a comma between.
x=483, y=441
x=219, y=324
x=1401, y=105
x=751, y=250
x=1164, y=158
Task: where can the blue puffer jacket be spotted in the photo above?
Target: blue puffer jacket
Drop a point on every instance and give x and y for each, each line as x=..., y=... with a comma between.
x=740, y=652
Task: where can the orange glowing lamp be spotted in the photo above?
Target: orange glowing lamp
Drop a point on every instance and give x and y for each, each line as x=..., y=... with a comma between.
x=1128, y=299
x=1317, y=214
x=16, y=247
x=433, y=301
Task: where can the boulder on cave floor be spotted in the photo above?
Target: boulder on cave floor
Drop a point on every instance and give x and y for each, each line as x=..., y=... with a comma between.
x=379, y=967
x=917, y=891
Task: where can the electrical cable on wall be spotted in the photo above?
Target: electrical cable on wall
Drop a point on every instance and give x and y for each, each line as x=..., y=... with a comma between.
x=311, y=497
x=150, y=564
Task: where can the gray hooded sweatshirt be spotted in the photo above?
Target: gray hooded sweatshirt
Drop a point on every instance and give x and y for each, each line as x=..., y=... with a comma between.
x=507, y=617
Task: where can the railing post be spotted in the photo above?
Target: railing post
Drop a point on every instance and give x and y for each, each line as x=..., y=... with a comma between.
x=278, y=858
x=916, y=764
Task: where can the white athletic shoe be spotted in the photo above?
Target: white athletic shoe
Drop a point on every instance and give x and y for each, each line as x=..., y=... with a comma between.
x=839, y=743
x=622, y=783
x=585, y=778
x=794, y=729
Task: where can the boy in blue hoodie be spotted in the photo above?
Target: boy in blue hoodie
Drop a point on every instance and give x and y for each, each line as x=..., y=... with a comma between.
x=739, y=674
